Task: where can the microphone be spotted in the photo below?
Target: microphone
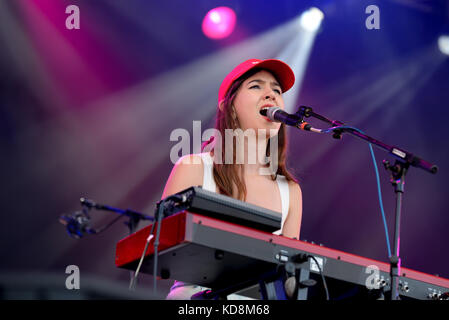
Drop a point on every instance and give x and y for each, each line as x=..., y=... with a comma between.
x=76, y=224
x=88, y=203
x=276, y=114
x=91, y=204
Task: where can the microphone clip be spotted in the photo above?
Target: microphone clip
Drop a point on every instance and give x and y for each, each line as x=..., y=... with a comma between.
x=304, y=111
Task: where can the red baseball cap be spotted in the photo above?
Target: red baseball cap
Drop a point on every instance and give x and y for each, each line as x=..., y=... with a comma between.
x=283, y=73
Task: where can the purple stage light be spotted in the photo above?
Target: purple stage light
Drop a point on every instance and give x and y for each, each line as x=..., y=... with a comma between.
x=219, y=23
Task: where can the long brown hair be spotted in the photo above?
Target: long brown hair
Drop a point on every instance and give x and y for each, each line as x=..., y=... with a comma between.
x=228, y=176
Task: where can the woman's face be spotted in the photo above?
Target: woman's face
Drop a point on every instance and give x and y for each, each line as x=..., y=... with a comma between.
x=258, y=91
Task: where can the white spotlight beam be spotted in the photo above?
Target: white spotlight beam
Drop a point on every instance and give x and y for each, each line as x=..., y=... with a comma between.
x=297, y=55
x=311, y=19
x=443, y=44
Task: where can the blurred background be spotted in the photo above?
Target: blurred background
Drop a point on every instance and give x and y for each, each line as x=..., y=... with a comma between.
x=87, y=111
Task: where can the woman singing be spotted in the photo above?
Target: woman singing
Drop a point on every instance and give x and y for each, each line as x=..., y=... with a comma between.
x=258, y=175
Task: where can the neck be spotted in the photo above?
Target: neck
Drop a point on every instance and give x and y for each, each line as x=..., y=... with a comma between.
x=250, y=152
x=254, y=154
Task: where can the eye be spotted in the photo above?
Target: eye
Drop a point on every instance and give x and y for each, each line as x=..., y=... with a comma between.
x=277, y=91
x=255, y=86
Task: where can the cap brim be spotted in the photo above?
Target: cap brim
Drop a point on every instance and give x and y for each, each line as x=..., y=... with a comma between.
x=283, y=73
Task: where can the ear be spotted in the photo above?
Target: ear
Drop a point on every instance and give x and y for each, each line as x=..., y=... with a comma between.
x=233, y=112
x=221, y=105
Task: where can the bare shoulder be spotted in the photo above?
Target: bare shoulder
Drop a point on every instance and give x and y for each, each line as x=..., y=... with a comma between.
x=292, y=225
x=186, y=172
x=295, y=189
x=190, y=161
x=295, y=198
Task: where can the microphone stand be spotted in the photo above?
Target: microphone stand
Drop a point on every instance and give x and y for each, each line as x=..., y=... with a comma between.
x=134, y=216
x=398, y=172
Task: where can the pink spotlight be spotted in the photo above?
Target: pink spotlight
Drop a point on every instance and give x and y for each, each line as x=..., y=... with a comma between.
x=219, y=23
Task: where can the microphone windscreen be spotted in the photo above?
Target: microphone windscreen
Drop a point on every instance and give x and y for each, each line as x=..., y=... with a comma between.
x=290, y=287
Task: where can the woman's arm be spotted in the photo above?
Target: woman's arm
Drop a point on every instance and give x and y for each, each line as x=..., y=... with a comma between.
x=292, y=224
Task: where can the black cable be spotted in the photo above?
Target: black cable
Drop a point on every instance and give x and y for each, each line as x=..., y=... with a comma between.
x=132, y=284
x=156, y=244
x=101, y=229
x=322, y=276
x=160, y=213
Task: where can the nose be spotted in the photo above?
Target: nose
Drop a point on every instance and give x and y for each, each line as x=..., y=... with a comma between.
x=270, y=95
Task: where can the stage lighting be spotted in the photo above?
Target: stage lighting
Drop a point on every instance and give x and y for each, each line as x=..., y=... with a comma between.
x=443, y=44
x=219, y=23
x=311, y=19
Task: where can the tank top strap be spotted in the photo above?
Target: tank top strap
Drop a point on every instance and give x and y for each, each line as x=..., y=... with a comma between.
x=285, y=198
x=208, y=176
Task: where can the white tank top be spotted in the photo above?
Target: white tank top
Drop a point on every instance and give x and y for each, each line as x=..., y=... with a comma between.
x=209, y=184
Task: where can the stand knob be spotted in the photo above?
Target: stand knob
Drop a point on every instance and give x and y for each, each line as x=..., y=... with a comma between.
x=444, y=296
x=404, y=287
x=434, y=295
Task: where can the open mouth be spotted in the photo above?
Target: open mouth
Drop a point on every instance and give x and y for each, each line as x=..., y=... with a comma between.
x=265, y=117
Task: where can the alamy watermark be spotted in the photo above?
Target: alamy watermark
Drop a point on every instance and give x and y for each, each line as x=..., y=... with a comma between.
x=375, y=280
x=247, y=142
x=373, y=20
x=73, y=280
x=73, y=20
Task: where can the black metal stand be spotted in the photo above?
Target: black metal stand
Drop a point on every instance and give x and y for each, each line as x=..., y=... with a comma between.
x=133, y=222
x=134, y=216
x=399, y=153
x=398, y=172
x=78, y=223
